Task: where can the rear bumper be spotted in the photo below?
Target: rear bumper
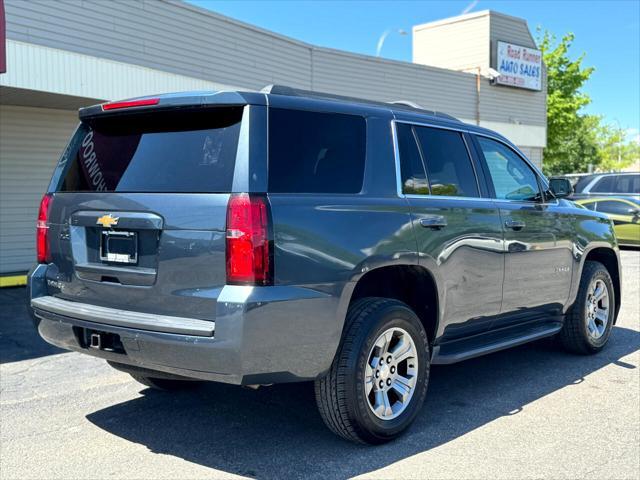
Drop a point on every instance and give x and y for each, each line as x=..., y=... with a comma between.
x=122, y=318
x=261, y=334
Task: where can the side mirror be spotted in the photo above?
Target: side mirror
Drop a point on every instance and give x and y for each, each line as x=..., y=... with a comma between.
x=560, y=187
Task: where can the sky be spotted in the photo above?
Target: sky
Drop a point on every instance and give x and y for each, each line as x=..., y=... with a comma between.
x=607, y=32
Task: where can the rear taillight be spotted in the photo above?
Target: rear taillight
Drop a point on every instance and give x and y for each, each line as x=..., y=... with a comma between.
x=42, y=230
x=249, y=259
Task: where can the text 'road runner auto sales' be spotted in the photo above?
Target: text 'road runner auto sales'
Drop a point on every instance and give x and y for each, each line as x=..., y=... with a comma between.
x=519, y=66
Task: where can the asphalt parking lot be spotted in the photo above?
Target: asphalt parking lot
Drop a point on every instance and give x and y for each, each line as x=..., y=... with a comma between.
x=530, y=412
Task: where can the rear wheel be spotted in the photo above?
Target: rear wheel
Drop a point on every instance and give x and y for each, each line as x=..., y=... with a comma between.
x=588, y=324
x=378, y=380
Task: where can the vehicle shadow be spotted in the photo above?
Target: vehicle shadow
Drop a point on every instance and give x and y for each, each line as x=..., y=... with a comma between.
x=18, y=337
x=273, y=430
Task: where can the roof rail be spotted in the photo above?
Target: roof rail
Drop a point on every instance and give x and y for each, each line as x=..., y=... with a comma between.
x=407, y=103
x=401, y=104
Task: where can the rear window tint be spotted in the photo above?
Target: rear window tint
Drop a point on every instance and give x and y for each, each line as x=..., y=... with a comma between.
x=312, y=152
x=163, y=151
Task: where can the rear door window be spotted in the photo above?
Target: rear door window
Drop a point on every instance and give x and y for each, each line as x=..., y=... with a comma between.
x=160, y=151
x=447, y=161
x=628, y=184
x=605, y=185
x=614, y=208
x=315, y=152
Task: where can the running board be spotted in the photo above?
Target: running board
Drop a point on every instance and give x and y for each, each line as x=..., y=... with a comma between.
x=490, y=342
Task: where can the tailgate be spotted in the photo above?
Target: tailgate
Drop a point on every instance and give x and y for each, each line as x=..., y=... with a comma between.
x=175, y=263
x=138, y=216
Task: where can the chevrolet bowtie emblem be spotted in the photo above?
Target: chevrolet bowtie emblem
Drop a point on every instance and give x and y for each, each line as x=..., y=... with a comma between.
x=107, y=220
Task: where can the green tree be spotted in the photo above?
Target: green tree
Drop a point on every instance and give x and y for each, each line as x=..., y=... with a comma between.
x=571, y=140
x=575, y=140
x=615, y=151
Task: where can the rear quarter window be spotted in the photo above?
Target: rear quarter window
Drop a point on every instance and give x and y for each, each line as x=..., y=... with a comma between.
x=315, y=152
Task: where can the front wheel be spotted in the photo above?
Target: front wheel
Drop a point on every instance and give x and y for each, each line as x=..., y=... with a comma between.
x=588, y=324
x=378, y=380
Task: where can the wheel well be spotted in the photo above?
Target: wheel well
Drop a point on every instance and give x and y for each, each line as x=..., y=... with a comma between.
x=412, y=285
x=608, y=258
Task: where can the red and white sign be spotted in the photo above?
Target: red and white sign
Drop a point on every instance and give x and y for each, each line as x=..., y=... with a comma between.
x=519, y=66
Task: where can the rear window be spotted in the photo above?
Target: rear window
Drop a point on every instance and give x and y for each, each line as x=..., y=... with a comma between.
x=163, y=151
x=311, y=152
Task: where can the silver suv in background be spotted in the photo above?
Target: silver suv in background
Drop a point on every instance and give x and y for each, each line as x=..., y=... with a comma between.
x=608, y=185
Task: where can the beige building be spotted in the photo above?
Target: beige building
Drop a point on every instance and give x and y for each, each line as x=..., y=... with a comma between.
x=66, y=54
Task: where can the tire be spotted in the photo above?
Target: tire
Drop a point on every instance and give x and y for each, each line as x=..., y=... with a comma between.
x=165, y=384
x=341, y=394
x=577, y=335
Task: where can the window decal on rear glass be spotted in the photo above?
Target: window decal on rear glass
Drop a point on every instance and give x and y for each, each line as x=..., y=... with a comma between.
x=176, y=151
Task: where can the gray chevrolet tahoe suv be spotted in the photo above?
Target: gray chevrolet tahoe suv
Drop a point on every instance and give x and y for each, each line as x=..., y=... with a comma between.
x=282, y=236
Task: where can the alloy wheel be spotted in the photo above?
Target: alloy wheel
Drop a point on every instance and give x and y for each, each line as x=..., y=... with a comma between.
x=597, y=309
x=391, y=373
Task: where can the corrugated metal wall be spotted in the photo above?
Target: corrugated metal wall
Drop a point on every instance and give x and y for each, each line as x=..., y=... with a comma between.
x=31, y=141
x=167, y=36
x=179, y=38
x=51, y=70
x=388, y=80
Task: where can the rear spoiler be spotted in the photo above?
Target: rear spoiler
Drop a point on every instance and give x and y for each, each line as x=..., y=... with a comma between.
x=173, y=100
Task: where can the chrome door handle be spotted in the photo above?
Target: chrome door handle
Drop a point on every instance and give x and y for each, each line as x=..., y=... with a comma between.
x=515, y=224
x=434, y=221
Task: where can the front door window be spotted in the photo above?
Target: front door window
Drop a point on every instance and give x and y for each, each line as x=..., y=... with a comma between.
x=512, y=178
